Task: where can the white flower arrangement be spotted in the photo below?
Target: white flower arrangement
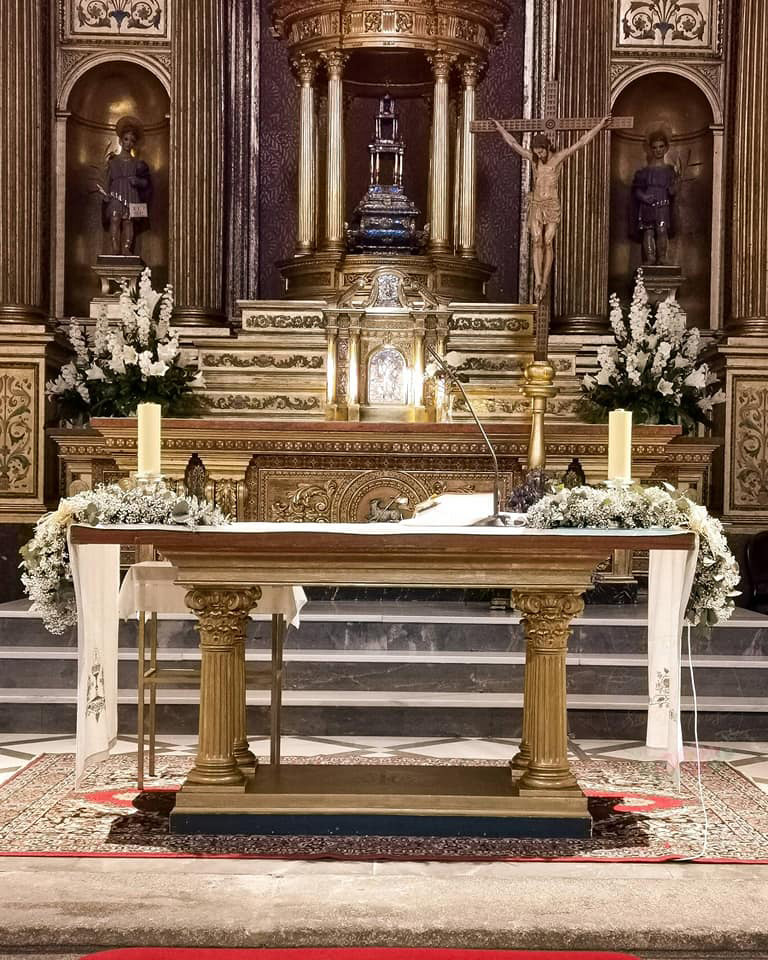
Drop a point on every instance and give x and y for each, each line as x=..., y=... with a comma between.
x=134, y=361
x=653, y=368
x=717, y=573
x=46, y=572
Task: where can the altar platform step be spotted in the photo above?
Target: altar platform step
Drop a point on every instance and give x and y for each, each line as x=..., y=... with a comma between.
x=391, y=668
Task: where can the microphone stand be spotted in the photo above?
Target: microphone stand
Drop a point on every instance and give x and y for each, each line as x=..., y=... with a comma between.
x=496, y=519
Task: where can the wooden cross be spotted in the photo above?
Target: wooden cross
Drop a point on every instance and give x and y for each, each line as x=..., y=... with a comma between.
x=550, y=122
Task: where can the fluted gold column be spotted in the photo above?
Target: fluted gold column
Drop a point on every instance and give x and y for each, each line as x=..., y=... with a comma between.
x=749, y=287
x=469, y=74
x=24, y=125
x=197, y=163
x=581, y=249
x=222, y=615
x=335, y=186
x=306, y=69
x=546, y=618
x=439, y=239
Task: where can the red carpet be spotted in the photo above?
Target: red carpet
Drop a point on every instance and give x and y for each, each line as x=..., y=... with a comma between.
x=348, y=953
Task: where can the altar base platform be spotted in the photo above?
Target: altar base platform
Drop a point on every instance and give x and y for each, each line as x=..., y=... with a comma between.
x=365, y=800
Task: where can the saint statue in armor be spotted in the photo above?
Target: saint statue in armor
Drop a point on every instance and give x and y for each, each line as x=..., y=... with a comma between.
x=128, y=189
x=653, y=200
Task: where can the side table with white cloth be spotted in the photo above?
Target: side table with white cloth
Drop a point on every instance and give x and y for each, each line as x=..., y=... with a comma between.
x=149, y=588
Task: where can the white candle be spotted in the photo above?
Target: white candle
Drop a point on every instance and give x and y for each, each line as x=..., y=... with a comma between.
x=620, y=445
x=149, y=439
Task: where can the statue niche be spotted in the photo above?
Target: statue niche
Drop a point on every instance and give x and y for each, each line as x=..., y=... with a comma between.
x=662, y=192
x=91, y=111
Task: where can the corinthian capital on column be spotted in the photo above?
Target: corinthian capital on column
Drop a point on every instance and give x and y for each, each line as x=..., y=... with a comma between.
x=581, y=255
x=24, y=128
x=305, y=69
x=439, y=240
x=335, y=178
x=197, y=162
x=470, y=73
x=749, y=244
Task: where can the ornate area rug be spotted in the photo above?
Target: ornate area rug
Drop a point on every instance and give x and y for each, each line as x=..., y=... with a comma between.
x=637, y=814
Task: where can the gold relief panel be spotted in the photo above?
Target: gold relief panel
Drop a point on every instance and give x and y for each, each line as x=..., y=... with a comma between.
x=283, y=321
x=115, y=19
x=749, y=428
x=661, y=25
x=19, y=427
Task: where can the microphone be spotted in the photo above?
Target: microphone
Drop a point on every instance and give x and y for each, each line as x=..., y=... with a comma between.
x=496, y=519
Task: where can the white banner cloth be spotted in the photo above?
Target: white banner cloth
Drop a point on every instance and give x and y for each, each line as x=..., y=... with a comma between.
x=670, y=578
x=101, y=602
x=96, y=576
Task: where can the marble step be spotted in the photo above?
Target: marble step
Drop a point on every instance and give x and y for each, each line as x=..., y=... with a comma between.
x=395, y=713
x=405, y=671
x=419, y=627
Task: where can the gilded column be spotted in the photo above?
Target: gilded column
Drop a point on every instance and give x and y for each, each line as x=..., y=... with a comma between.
x=24, y=124
x=749, y=244
x=546, y=618
x=222, y=615
x=25, y=214
x=439, y=240
x=581, y=252
x=469, y=75
x=306, y=69
x=335, y=186
x=197, y=163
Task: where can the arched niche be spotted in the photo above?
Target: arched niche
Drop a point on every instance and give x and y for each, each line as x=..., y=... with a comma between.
x=96, y=102
x=387, y=377
x=673, y=103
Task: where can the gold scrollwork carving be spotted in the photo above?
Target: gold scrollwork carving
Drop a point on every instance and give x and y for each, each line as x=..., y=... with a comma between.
x=751, y=459
x=261, y=321
x=239, y=401
x=17, y=429
x=508, y=324
x=311, y=503
x=295, y=361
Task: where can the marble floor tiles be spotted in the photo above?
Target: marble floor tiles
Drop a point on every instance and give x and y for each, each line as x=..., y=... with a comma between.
x=16, y=750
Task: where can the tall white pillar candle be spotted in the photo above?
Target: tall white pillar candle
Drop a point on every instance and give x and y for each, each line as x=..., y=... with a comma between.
x=149, y=439
x=620, y=445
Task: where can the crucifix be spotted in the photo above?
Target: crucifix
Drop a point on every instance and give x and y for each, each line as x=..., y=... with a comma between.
x=544, y=204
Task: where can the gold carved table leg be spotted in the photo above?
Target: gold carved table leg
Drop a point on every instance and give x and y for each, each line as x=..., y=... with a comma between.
x=547, y=617
x=222, y=614
x=522, y=758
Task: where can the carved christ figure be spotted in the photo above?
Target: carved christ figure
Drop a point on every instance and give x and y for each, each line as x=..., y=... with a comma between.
x=544, y=204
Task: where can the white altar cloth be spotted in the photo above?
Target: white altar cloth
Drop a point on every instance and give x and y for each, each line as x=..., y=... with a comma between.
x=101, y=603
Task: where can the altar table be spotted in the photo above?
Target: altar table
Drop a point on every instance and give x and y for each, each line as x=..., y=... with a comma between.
x=224, y=569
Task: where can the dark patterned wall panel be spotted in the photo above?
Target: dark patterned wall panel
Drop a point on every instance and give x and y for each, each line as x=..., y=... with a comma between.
x=278, y=136
x=500, y=94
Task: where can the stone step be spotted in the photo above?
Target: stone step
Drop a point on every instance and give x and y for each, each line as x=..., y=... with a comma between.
x=396, y=713
x=406, y=671
x=419, y=626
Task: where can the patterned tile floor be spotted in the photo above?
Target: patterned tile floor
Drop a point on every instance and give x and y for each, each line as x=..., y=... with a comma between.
x=16, y=750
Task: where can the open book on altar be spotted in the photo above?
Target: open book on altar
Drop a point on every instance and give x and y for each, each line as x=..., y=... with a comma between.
x=453, y=510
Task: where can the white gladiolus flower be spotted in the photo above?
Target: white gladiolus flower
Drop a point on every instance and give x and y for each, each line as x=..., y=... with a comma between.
x=145, y=362
x=664, y=387
x=603, y=377
x=168, y=351
x=158, y=369
x=95, y=373
x=697, y=378
x=129, y=355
